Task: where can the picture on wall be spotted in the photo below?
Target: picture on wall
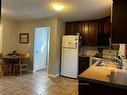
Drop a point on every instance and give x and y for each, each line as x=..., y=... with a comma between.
x=24, y=38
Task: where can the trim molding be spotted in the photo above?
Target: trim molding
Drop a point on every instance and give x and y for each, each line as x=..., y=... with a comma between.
x=54, y=76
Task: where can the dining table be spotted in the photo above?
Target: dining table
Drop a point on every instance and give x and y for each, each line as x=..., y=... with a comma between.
x=11, y=60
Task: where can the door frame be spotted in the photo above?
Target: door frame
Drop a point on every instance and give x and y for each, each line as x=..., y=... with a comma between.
x=48, y=50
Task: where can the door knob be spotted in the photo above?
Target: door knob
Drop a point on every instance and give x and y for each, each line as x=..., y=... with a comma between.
x=36, y=52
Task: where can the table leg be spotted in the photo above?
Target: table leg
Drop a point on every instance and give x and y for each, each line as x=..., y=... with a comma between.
x=10, y=67
x=1, y=72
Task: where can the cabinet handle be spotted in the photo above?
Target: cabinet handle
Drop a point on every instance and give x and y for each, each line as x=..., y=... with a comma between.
x=86, y=84
x=75, y=44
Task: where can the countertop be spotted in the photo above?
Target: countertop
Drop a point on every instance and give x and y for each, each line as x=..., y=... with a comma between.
x=83, y=55
x=106, y=75
x=94, y=57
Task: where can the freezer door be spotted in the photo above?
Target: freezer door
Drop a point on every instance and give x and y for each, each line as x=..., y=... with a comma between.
x=70, y=41
x=69, y=64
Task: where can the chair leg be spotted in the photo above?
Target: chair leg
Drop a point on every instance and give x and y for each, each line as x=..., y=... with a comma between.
x=1, y=71
x=27, y=68
x=20, y=67
x=20, y=70
x=14, y=69
x=10, y=69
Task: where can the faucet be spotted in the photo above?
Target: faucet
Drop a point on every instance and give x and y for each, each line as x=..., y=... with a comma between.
x=119, y=61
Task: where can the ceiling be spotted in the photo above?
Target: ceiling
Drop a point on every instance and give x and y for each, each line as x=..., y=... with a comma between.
x=74, y=9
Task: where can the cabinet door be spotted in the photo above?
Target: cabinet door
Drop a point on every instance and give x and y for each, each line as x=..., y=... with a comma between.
x=83, y=64
x=85, y=87
x=119, y=21
x=69, y=28
x=91, y=30
x=73, y=28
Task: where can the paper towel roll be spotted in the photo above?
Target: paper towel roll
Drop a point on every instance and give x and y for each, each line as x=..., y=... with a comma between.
x=122, y=50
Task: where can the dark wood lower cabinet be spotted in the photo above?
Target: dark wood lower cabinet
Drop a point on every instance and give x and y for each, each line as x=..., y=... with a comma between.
x=83, y=64
x=93, y=88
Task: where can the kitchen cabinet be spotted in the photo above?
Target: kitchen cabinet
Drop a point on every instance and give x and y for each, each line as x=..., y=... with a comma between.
x=69, y=27
x=119, y=22
x=88, y=87
x=83, y=64
x=89, y=30
x=103, y=36
x=73, y=28
x=102, y=80
x=106, y=24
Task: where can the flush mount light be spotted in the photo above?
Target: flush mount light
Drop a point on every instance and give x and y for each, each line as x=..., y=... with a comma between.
x=58, y=7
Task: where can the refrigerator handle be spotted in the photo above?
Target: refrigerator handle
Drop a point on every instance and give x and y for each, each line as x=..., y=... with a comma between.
x=75, y=44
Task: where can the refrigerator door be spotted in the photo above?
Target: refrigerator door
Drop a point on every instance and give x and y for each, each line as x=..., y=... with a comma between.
x=69, y=64
x=70, y=41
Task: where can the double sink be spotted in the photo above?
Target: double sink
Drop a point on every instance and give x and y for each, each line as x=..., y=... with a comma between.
x=112, y=64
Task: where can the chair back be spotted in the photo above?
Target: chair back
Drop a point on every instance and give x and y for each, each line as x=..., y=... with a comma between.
x=24, y=58
x=1, y=54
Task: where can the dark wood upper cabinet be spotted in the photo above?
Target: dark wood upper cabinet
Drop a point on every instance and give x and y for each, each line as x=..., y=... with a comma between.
x=119, y=21
x=89, y=30
x=69, y=27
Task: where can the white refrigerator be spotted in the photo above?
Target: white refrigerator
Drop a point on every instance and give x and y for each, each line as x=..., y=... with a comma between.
x=69, y=62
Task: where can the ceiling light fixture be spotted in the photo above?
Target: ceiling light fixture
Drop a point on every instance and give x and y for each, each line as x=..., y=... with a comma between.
x=58, y=6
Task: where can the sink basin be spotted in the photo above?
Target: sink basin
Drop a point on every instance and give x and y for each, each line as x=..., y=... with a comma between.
x=107, y=64
x=100, y=63
x=110, y=64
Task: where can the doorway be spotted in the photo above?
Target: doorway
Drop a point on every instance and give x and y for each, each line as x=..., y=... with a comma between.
x=41, y=48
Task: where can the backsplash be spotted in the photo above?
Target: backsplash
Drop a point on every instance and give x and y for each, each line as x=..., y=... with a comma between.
x=122, y=50
x=88, y=50
x=92, y=50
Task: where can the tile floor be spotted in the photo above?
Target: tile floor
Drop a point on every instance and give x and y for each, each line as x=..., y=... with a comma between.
x=37, y=84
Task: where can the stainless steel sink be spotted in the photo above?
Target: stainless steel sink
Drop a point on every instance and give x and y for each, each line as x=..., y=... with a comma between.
x=100, y=63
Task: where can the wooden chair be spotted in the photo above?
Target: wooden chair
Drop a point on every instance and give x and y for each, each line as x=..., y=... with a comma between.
x=1, y=72
x=4, y=68
x=23, y=65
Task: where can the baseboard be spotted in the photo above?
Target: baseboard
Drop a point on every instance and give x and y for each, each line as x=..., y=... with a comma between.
x=33, y=71
x=54, y=76
x=39, y=70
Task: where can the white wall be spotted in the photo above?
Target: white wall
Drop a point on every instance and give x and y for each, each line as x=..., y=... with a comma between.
x=29, y=27
x=12, y=29
x=8, y=37
x=60, y=32
x=1, y=37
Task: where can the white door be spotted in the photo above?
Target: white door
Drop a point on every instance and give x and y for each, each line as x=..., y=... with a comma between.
x=41, y=48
